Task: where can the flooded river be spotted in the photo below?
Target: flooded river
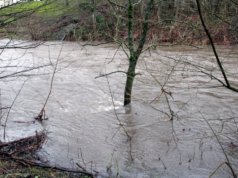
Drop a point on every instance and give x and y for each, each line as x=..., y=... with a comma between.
x=168, y=131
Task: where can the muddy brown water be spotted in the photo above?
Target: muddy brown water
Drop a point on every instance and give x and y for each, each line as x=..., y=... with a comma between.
x=89, y=126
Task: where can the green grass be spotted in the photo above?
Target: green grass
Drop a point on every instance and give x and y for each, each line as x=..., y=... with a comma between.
x=20, y=7
x=10, y=169
x=48, y=8
x=45, y=8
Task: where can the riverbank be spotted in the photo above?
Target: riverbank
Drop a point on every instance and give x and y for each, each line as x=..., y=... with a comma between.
x=12, y=169
x=80, y=20
x=18, y=158
x=149, y=143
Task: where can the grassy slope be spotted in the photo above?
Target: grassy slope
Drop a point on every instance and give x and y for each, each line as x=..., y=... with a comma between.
x=49, y=8
x=46, y=8
x=48, y=11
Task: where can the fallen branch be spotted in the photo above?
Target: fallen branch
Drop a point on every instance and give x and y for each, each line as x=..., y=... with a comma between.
x=22, y=146
x=17, y=151
x=46, y=166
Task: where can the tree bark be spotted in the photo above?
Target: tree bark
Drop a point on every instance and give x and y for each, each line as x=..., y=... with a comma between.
x=135, y=54
x=93, y=16
x=129, y=81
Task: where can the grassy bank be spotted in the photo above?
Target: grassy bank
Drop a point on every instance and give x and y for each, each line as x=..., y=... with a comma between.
x=42, y=8
x=11, y=169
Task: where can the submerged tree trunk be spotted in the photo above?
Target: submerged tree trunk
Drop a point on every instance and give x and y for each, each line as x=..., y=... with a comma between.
x=135, y=54
x=129, y=81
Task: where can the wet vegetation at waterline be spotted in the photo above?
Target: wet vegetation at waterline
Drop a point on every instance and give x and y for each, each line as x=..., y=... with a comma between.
x=127, y=88
x=18, y=159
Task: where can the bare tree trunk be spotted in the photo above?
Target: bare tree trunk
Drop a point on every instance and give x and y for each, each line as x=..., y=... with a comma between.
x=129, y=81
x=135, y=54
x=93, y=16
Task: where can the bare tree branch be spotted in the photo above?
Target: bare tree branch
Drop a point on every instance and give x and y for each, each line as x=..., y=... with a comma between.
x=228, y=163
x=15, y=74
x=103, y=75
x=41, y=116
x=13, y=102
x=214, y=49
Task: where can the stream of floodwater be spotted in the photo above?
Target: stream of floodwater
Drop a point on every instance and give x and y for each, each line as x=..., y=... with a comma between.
x=164, y=133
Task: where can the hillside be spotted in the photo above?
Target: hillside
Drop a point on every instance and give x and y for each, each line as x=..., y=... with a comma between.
x=83, y=20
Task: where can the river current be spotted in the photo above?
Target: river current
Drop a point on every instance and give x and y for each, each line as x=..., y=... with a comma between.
x=179, y=120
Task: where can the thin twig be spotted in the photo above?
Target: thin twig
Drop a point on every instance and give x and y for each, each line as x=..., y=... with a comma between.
x=211, y=175
x=30, y=46
x=98, y=44
x=104, y=75
x=115, y=4
x=40, y=116
x=228, y=163
x=120, y=123
x=214, y=49
x=8, y=113
x=42, y=165
x=15, y=74
x=115, y=112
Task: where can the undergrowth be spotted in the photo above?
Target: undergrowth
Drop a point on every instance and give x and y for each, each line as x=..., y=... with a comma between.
x=10, y=169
